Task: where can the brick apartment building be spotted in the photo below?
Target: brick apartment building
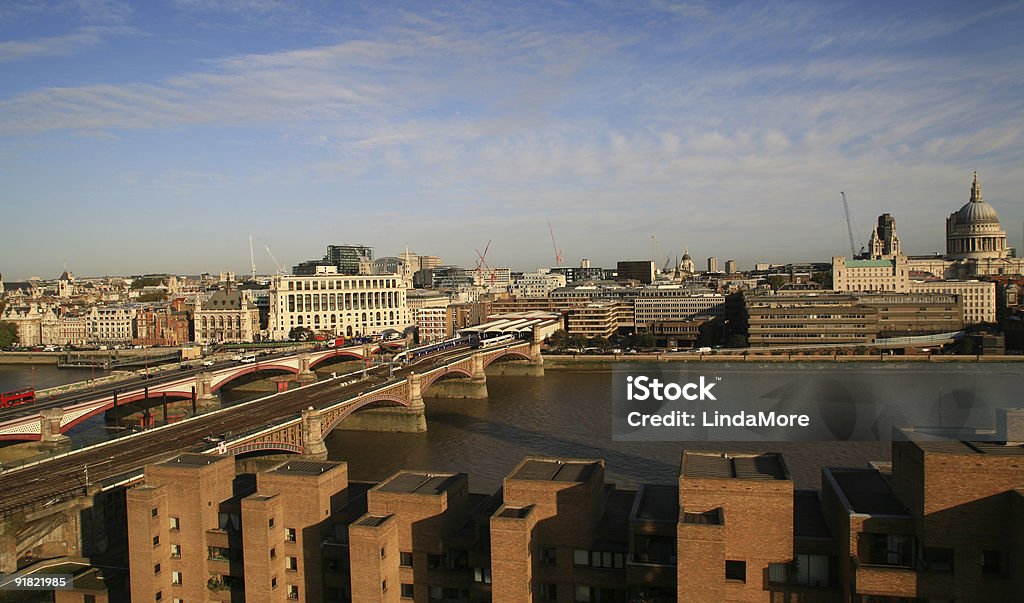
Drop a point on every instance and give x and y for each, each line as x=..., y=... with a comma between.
x=942, y=522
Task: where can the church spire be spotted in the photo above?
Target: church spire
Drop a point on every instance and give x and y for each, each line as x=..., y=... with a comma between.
x=976, y=189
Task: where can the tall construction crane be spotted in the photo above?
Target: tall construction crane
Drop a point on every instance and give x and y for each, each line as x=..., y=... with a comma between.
x=280, y=270
x=849, y=226
x=657, y=249
x=252, y=259
x=558, y=254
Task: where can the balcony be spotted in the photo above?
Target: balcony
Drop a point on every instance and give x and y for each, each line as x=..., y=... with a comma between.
x=886, y=580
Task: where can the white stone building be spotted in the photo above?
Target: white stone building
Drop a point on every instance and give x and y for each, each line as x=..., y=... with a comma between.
x=338, y=305
x=978, y=297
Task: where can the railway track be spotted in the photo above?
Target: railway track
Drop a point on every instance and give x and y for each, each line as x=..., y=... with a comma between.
x=51, y=481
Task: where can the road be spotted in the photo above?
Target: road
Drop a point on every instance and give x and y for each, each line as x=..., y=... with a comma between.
x=65, y=477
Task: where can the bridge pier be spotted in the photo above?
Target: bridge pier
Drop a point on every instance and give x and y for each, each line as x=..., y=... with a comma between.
x=313, y=446
x=306, y=375
x=205, y=398
x=473, y=388
x=49, y=428
x=408, y=419
x=534, y=367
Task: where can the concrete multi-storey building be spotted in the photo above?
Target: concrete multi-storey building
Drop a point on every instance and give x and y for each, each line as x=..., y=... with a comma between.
x=827, y=319
x=911, y=314
x=870, y=275
x=641, y=271
x=228, y=316
x=599, y=319
x=536, y=284
x=674, y=303
x=978, y=298
x=337, y=304
x=432, y=324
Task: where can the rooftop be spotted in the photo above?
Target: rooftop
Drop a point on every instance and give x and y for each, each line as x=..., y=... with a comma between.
x=721, y=465
x=415, y=482
x=305, y=467
x=866, y=491
x=371, y=521
x=944, y=441
x=555, y=470
x=657, y=503
x=193, y=460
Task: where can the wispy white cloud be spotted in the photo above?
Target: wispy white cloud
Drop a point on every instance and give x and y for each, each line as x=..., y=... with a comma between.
x=63, y=45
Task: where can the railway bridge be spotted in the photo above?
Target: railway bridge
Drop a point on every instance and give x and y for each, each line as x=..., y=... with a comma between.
x=48, y=423
x=67, y=505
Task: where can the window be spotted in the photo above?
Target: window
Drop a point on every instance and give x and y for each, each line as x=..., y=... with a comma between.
x=995, y=562
x=156, y=540
x=581, y=593
x=580, y=557
x=383, y=586
x=405, y=559
x=736, y=570
x=407, y=591
x=291, y=563
x=156, y=568
x=383, y=552
x=293, y=591
x=159, y=595
x=89, y=599
x=175, y=523
x=938, y=559
x=289, y=534
x=175, y=551
x=549, y=591
x=270, y=522
x=482, y=574
x=891, y=549
x=175, y=577
x=433, y=561
x=154, y=512
x=273, y=582
x=548, y=555
x=273, y=553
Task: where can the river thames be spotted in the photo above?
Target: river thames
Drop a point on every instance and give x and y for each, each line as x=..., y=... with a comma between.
x=566, y=413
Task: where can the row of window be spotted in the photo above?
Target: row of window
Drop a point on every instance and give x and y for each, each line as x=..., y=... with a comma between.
x=343, y=301
x=342, y=283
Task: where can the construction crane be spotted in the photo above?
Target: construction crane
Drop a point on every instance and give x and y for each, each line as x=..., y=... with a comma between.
x=252, y=259
x=849, y=226
x=558, y=254
x=280, y=270
x=657, y=249
x=482, y=263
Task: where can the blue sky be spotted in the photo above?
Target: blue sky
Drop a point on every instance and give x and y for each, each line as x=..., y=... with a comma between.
x=157, y=136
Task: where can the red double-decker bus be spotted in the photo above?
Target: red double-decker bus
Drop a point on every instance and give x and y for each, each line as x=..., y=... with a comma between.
x=16, y=397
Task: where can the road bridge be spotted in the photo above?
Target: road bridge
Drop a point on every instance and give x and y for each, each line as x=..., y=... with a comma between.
x=47, y=420
x=62, y=506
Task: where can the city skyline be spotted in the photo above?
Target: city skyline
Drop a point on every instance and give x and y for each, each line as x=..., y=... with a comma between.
x=155, y=138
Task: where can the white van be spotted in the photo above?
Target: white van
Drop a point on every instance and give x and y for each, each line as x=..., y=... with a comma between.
x=248, y=358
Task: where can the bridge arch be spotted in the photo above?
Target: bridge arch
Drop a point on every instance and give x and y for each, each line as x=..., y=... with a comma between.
x=506, y=355
x=338, y=354
x=172, y=395
x=428, y=380
x=383, y=399
x=269, y=446
x=220, y=381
